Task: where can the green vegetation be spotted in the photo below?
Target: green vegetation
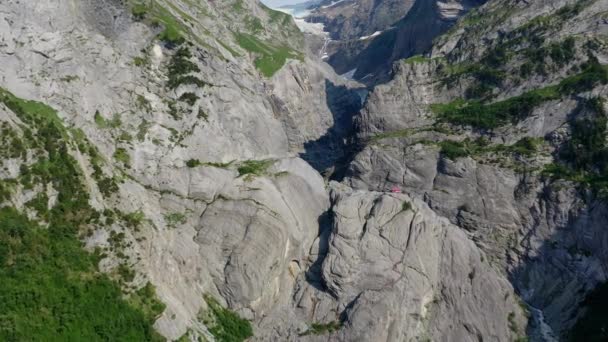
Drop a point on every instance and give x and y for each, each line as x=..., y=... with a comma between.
x=69, y=78
x=189, y=79
x=322, y=328
x=107, y=185
x=196, y=162
x=142, y=130
x=40, y=204
x=139, y=11
x=454, y=149
x=6, y=189
x=458, y=149
x=11, y=144
x=593, y=73
x=524, y=45
x=254, y=167
x=270, y=58
x=134, y=219
x=175, y=113
x=229, y=49
x=145, y=300
x=218, y=165
x=180, y=63
x=562, y=53
x=193, y=163
x=488, y=116
x=141, y=61
x=189, y=98
x=125, y=136
x=126, y=273
x=143, y=103
x=122, y=156
x=586, y=149
x=101, y=122
x=416, y=59
x=237, y=6
x=593, y=325
x=526, y=146
x=584, y=157
x=512, y=324
x=51, y=288
x=284, y=25
x=225, y=325
x=277, y=17
x=202, y=114
x=406, y=206
x=173, y=32
x=34, y=113
x=175, y=219
x=253, y=24
x=180, y=67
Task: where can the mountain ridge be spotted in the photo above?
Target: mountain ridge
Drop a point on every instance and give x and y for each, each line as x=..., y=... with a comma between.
x=199, y=168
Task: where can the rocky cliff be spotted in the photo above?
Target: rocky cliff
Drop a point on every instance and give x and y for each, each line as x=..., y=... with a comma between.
x=501, y=129
x=160, y=176
x=367, y=37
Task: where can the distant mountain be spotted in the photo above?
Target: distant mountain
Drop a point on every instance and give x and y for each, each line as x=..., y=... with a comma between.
x=369, y=35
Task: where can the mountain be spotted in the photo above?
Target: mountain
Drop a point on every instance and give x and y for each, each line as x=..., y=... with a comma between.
x=193, y=171
x=369, y=36
x=501, y=129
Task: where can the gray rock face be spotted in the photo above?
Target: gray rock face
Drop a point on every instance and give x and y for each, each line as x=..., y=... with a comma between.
x=316, y=108
x=369, y=36
x=350, y=20
x=390, y=269
x=402, y=273
x=84, y=65
x=245, y=239
x=230, y=211
x=528, y=224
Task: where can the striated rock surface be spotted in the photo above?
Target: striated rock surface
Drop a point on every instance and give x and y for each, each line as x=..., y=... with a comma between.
x=189, y=138
x=402, y=272
x=369, y=36
x=526, y=217
x=386, y=268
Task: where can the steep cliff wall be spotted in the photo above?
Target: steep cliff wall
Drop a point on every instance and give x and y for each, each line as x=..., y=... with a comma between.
x=501, y=129
x=163, y=137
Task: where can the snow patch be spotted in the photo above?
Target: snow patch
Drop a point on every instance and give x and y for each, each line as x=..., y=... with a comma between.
x=333, y=4
x=349, y=75
x=304, y=26
x=377, y=33
x=317, y=29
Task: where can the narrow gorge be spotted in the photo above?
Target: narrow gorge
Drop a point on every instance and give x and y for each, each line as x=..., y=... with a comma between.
x=353, y=170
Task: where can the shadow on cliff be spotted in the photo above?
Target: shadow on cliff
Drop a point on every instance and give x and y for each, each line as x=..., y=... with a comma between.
x=314, y=274
x=409, y=36
x=562, y=282
x=331, y=152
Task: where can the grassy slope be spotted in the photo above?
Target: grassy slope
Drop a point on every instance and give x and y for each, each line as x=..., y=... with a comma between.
x=270, y=58
x=51, y=288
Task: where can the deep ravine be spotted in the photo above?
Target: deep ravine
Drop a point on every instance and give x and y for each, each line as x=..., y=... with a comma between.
x=196, y=171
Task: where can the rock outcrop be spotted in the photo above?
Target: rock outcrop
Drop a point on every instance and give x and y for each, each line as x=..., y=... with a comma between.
x=182, y=143
x=386, y=268
x=369, y=36
x=471, y=168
